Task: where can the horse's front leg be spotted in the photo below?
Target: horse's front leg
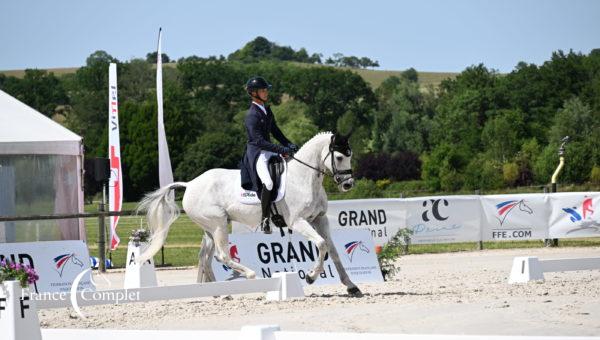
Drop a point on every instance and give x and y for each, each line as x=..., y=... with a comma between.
x=322, y=225
x=305, y=229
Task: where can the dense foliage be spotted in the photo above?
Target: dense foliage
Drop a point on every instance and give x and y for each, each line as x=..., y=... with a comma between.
x=481, y=130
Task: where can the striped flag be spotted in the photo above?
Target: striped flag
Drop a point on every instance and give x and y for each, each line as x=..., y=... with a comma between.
x=115, y=184
x=165, y=173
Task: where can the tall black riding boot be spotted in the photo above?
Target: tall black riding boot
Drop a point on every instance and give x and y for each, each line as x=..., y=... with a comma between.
x=265, y=202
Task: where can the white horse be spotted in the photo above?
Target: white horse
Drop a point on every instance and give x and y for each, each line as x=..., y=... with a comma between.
x=212, y=200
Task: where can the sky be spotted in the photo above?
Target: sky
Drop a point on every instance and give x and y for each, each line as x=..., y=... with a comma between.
x=428, y=35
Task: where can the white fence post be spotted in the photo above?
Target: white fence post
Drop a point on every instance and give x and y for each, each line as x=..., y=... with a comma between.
x=18, y=313
x=138, y=275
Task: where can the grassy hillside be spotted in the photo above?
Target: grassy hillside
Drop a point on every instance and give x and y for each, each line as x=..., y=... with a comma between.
x=373, y=77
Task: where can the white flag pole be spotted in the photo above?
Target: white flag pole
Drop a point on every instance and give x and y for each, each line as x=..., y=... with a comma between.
x=165, y=173
x=115, y=184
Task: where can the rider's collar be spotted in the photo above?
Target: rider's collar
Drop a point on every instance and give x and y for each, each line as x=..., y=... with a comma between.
x=262, y=107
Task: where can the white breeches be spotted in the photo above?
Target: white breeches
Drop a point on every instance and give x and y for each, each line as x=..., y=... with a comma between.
x=262, y=168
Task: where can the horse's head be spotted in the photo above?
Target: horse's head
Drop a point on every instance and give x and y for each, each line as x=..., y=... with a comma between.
x=337, y=159
x=76, y=261
x=524, y=207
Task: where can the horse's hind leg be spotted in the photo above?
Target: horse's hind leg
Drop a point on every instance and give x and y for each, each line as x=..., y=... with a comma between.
x=221, y=238
x=305, y=229
x=205, y=257
x=322, y=225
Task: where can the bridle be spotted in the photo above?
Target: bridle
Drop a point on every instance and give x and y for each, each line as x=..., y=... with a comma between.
x=335, y=172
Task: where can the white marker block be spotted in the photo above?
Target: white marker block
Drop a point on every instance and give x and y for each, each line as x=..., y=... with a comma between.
x=138, y=275
x=290, y=287
x=18, y=314
x=526, y=269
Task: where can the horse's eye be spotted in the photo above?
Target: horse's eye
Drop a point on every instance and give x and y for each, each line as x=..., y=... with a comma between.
x=339, y=158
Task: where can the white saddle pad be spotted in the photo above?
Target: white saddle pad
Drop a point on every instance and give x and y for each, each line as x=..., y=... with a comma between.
x=250, y=197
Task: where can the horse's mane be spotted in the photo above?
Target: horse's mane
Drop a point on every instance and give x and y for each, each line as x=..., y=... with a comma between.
x=317, y=136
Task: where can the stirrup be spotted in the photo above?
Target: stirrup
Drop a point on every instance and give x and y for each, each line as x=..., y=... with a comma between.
x=265, y=226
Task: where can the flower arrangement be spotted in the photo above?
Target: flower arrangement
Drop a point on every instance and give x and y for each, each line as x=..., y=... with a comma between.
x=139, y=236
x=25, y=274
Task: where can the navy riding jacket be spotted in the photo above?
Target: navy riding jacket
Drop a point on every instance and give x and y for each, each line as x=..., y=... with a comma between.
x=259, y=128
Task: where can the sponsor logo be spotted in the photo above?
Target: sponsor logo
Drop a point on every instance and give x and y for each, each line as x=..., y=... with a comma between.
x=581, y=216
x=248, y=194
x=505, y=208
x=435, y=210
x=233, y=253
x=351, y=248
x=61, y=261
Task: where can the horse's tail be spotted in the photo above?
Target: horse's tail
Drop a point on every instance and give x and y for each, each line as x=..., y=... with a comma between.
x=161, y=212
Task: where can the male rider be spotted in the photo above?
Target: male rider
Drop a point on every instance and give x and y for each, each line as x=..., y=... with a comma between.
x=260, y=124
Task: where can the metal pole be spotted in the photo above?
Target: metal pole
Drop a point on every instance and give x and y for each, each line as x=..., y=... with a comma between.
x=480, y=243
x=101, y=240
x=561, y=163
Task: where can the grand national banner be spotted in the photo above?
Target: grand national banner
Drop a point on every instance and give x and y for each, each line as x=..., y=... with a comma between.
x=115, y=184
x=383, y=218
x=272, y=253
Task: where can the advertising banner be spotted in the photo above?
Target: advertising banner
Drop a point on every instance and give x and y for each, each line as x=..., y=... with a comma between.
x=268, y=254
x=383, y=218
x=514, y=217
x=115, y=184
x=574, y=215
x=443, y=219
x=56, y=262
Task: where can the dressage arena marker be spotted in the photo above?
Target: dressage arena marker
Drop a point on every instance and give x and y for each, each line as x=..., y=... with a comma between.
x=19, y=320
x=530, y=268
x=138, y=275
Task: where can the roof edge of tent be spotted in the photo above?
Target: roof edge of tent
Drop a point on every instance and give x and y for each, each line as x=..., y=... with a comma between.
x=70, y=148
x=29, y=108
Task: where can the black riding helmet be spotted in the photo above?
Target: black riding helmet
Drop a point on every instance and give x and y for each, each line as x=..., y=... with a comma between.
x=256, y=83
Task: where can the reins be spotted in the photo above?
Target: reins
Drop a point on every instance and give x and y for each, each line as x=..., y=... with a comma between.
x=335, y=173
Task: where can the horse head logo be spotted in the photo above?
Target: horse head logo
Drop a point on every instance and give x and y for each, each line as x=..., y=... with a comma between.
x=506, y=207
x=352, y=246
x=61, y=262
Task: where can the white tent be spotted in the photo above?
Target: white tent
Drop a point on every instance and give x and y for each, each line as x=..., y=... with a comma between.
x=41, y=166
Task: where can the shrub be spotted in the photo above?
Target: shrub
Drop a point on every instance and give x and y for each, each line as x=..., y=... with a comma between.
x=595, y=175
x=510, y=173
x=400, y=166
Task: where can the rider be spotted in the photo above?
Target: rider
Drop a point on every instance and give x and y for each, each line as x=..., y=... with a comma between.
x=260, y=123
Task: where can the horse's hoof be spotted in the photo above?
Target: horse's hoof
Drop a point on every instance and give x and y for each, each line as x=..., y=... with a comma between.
x=309, y=280
x=354, y=292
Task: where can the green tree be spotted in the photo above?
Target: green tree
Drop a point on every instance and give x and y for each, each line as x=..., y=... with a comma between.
x=212, y=150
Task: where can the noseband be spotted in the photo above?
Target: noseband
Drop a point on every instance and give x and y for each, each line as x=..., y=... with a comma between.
x=335, y=172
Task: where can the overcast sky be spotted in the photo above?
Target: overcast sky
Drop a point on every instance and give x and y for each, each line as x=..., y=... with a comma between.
x=427, y=35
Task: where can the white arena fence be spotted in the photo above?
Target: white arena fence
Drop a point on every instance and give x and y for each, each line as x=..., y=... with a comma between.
x=471, y=218
x=269, y=333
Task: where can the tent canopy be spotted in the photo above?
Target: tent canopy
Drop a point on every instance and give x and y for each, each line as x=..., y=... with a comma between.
x=23, y=130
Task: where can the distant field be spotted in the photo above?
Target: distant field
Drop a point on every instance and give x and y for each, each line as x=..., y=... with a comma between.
x=376, y=77
x=373, y=77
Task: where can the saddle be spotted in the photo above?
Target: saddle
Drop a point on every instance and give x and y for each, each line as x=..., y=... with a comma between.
x=278, y=172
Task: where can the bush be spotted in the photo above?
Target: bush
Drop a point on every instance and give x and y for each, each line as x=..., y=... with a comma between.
x=399, y=166
x=510, y=172
x=363, y=188
x=595, y=175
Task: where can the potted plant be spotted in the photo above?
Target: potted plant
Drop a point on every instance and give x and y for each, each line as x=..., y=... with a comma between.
x=24, y=274
x=139, y=236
